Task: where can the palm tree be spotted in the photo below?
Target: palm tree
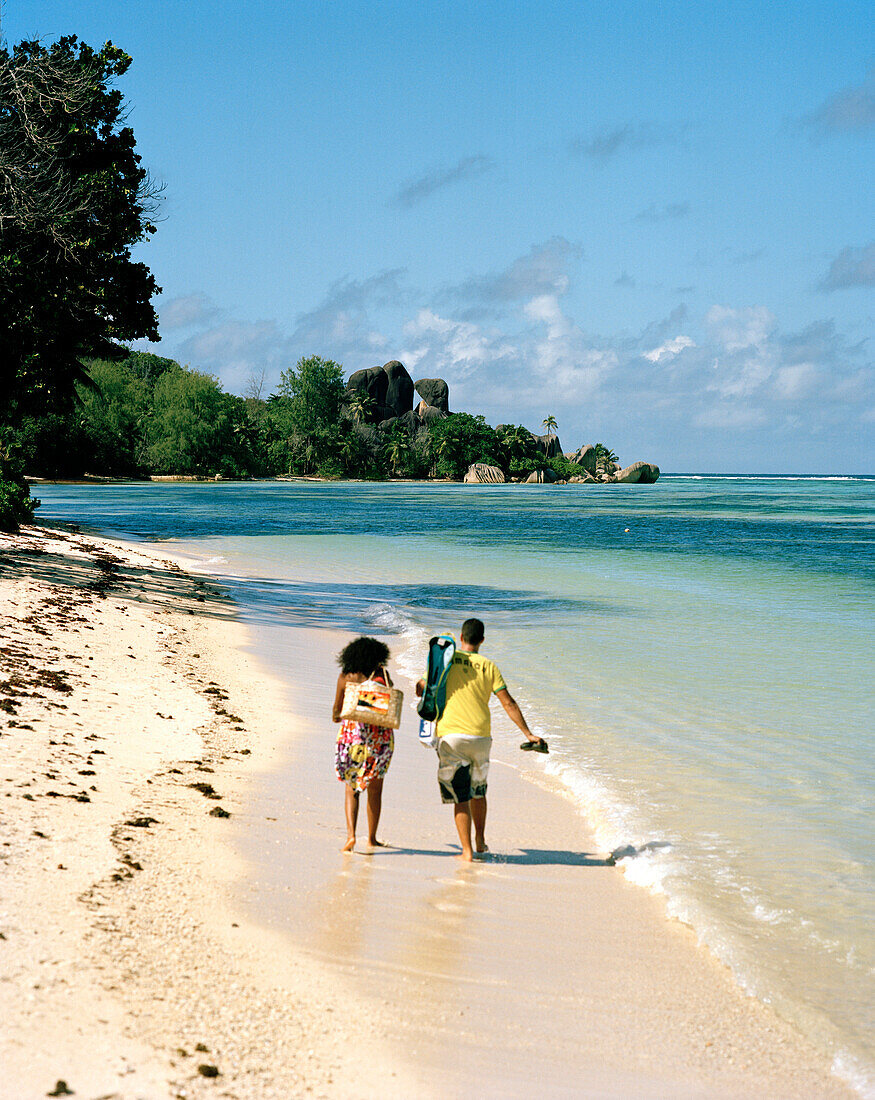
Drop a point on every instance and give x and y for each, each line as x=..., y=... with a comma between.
x=397, y=450
x=605, y=459
x=352, y=452
x=550, y=425
x=360, y=404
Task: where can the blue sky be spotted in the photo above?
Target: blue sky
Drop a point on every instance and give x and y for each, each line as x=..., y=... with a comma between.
x=653, y=221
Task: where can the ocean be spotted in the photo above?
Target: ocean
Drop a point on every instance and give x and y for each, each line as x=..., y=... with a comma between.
x=698, y=653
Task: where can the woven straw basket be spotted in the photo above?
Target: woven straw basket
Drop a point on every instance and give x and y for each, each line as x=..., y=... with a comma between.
x=374, y=703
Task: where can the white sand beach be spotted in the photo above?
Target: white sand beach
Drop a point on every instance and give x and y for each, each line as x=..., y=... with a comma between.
x=152, y=947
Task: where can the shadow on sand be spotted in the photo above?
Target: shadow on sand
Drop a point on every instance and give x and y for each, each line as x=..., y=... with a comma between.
x=524, y=857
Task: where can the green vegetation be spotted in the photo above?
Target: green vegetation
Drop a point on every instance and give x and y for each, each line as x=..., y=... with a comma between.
x=145, y=415
x=605, y=459
x=16, y=504
x=74, y=200
x=564, y=468
x=459, y=440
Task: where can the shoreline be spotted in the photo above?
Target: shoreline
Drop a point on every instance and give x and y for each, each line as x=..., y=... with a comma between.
x=180, y=908
x=127, y=969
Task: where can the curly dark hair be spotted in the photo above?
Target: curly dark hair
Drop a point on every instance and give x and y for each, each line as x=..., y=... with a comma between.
x=363, y=655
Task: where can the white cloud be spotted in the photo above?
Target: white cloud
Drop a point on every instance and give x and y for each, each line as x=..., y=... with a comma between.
x=187, y=311
x=731, y=416
x=744, y=375
x=457, y=347
x=740, y=328
x=669, y=349
x=544, y=269
x=795, y=382
x=566, y=363
x=732, y=370
x=235, y=350
x=341, y=326
x=852, y=267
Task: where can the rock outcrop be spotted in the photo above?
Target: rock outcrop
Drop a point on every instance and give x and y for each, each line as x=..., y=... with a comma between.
x=642, y=473
x=373, y=383
x=399, y=390
x=550, y=445
x=435, y=392
x=481, y=474
x=390, y=392
x=584, y=456
x=429, y=413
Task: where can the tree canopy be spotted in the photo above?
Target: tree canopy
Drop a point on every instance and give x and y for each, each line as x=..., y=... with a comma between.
x=74, y=200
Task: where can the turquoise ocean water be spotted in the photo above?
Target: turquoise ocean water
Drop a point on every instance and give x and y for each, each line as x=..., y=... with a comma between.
x=698, y=654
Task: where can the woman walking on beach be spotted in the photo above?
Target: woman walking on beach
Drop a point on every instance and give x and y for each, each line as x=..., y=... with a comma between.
x=363, y=751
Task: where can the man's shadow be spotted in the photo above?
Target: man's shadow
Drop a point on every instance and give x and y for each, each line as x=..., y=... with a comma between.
x=547, y=857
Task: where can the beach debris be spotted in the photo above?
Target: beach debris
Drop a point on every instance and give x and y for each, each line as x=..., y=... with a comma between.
x=206, y=789
x=207, y=1070
x=142, y=822
x=218, y=811
x=202, y=1048
x=61, y=1089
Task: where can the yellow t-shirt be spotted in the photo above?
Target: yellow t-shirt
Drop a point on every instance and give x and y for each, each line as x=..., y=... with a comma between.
x=471, y=683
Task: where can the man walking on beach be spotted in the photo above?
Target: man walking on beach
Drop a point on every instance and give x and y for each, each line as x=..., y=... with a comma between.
x=465, y=738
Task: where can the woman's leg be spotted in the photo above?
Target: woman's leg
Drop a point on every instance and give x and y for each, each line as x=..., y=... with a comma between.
x=375, y=805
x=352, y=813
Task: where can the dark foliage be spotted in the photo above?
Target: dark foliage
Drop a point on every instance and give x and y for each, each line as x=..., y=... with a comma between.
x=74, y=200
x=16, y=504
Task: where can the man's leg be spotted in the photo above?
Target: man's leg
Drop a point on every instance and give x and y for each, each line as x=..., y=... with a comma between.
x=462, y=817
x=478, y=816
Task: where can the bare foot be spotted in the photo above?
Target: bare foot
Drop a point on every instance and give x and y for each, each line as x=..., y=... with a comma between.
x=481, y=848
x=376, y=844
x=466, y=857
x=350, y=844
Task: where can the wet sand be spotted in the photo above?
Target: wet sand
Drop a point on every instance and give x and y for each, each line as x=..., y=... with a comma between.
x=146, y=935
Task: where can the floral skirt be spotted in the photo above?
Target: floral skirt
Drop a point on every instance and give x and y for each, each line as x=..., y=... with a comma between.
x=362, y=753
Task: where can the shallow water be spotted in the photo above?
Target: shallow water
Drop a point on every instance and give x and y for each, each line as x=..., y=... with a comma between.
x=698, y=653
